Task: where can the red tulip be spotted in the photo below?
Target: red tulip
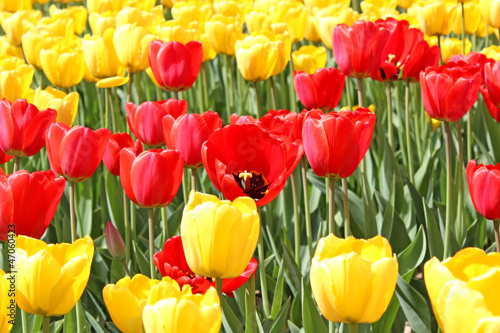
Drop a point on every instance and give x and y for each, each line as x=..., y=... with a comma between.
x=29, y=202
x=321, y=90
x=246, y=160
x=449, y=91
x=296, y=119
x=116, y=143
x=188, y=133
x=474, y=58
x=152, y=178
x=492, y=78
x=235, y=119
x=75, y=153
x=172, y=263
x=484, y=188
x=175, y=65
x=145, y=120
x=360, y=49
x=492, y=108
x=114, y=242
x=5, y=157
x=23, y=127
x=336, y=143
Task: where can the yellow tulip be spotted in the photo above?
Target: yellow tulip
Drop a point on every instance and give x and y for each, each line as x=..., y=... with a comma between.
x=201, y=10
x=328, y=18
x=257, y=21
x=40, y=2
x=434, y=17
x=405, y=3
x=19, y=23
x=180, y=31
x=464, y=291
x=51, y=278
x=15, y=78
x=256, y=57
x=309, y=58
x=232, y=8
x=492, y=52
x=433, y=122
x=14, y=6
x=208, y=51
x=311, y=34
x=294, y=15
x=472, y=18
x=132, y=47
x=481, y=30
x=452, y=46
x=36, y=41
x=372, y=12
x=99, y=23
x=126, y=300
x=77, y=13
x=166, y=3
x=353, y=280
x=61, y=26
x=9, y=49
x=66, y=105
x=223, y=32
x=219, y=237
x=389, y=4
x=144, y=5
x=102, y=6
x=7, y=302
x=313, y=5
x=283, y=42
x=172, y=310
x=63, y=64
x=489, y=12
x=100, y=55
x=410, y=18
x=130, y=15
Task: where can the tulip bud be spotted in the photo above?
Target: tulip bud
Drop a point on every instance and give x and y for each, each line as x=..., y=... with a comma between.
x=114, y=241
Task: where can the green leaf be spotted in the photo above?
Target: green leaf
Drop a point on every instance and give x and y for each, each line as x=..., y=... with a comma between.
x=114, y=198
x=278, y=292
x=70, y=321
x=292, y=267
x=96, y=327
x=414, y=306
x=384, y=324
x=436, y=246
x=413, y=255
x=84, y=208
x=229, y=319
x=280, y=320
x=141, y=259
x=389, y=211
x=312, y=320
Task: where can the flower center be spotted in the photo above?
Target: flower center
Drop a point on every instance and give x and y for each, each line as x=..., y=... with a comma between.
x=255, y=185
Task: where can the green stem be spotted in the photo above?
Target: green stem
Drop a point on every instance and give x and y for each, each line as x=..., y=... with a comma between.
x=440, y=52
x=99, y=101
x=291, y=89
x=24, y=321
x=307, y=211
x=296, y=218
x=138, y=88
x=389, y=114
x=331, y=327
x=201, y=106
x=218, y=287
x=469, y=136
x=408, y=132
x=176, y=95
x=231, y=84
x=241, y=83
x=487, y=39
x=159, y=94
x=461, y=226
x=347, y=218
x=129, y=90
x=463, y=28
x=164, y=222
x=112, y=109
x=447, y=139
x=251, y=320
x=41, y=79
x=361, y=101
x=257, y=104
x=46, y=324
x=72, y=210
x=355, y=5
x=353, y=328
x=262, y=272
x=331, y=206
x=185, y=181
x=349, y=92
x=418, y=127
x=125, y=267
x=205, y=85
x=497, y=234
x=106, y=108
x=17, y=162
x=126, y=216
x=400, y=132
x=151, y=241
x=273, y=93
x=193, y=179
x=133, y=220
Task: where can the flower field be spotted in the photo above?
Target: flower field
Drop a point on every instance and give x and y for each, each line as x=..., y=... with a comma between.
x=267, y=166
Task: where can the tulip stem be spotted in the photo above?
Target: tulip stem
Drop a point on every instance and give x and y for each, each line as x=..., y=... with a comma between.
x=487, y=37
x=151, y=241
x=218, y=286
x=185, y=180
x=46, y=324
x=408, y=132
x=440, y=52
x=348, y=92
x=296, y=218
x=291, y=89
x=389, y=114
x=138, y=87
x=257, y=105
x=251, y=320
x=231, y=84
x=125, y=267
x=126, y=216
x=133, y=220
x=201, y=106
x=99, y=102
x=24, y=320
x=461, y=226
x=331, y=206
x=497, y=234
x=164, y=222
x=205, y=87
x=112, y=109
x=193, y=179
x=129, y=90
x=262, y=272
x=447, y=139
x=361, y=101
x=353, y=327
x=106, y=108
x=17, y=162
x=273, y=93
x=307, y=211
x=463, y=28
x=72, y=210
x=347, y=219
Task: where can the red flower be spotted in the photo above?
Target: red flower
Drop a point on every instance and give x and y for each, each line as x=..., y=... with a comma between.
x=321, y=90
x=188, y=133
x=75, y=153
x=145, y=120
x=116, y=143
x=494, y=111
x=449, y=91
x=484, y=188
x=246, y=160
x=235, y=119
x=492, y=78
x=360, y=49
x=29, y=202
x=152, y=178
x=175, y=65
x=23, y=127
x=5, y=157
x=296, y=120
x=172, y=262
x=336, y=143
x=474, y=58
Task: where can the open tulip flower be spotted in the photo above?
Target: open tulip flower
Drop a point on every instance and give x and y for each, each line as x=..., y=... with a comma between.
x=353, y=280
x=6, y=303
x=145, y=120
x=15, y=78
x=41, y=191
x=23, y=127
x=51, y=278
x=66, y=105
x=464, y=291
x=219, y=237
x=75, y=153
x=484, y=188
x=309, y=58
x=336, y=143
x=116, y=143
x=321, y=90
x=172, y=262
x=5, y=157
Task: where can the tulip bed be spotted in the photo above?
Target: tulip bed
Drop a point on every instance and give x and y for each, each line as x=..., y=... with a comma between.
x=345, y=179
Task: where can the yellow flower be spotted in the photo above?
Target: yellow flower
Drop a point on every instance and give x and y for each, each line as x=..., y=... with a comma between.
x=99, y=23
x=257, y=21
x=311, y=34
x=353, y=280
x=182, y=31
x=36, y=41
x=130, y=15
x=61, y=26
x=19, y=23
x=493, y=52
x=223, y=32
x=14, y=6
x=51, y=278
x=172, y=310
x=405, y=3
x=294, y=15
x=256, y=57
x=464, y=291
x=489, y=12
x=328, y=18
x=145, y=5
x=309, y=58
x=15, y=78
x=232, y=8
x=389, y=4
x=481, y=30
x=433, y=122
x=66, y=105
x=434, y=17
x=126, y=300
x=63, y=64
x=372, y=11
x=132, y=47
x=208, y=51
x=166, y=3
x=219, y=237
x=77, y=13
x=201, y=10
x=7, y=302
x=472, y=18
x=452, y=46
x=313, y=5
x=283, y=42
x=9, y=49
x=355, y=107
x=102, y=6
